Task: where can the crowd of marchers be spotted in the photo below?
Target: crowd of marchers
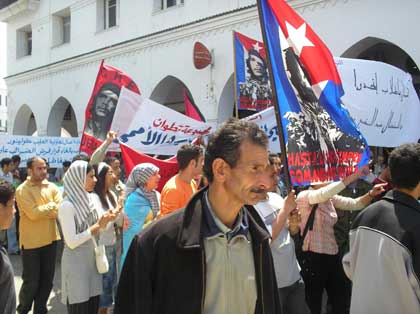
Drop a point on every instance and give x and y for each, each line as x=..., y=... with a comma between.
x=224, y=236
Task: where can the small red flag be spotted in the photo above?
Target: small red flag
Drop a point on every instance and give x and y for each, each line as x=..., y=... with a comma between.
x=191, y=109
x=168, y=168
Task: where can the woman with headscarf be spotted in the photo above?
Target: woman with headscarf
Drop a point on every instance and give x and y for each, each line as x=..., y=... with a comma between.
x=106, y=201
x=80, y=221
x=142, y=200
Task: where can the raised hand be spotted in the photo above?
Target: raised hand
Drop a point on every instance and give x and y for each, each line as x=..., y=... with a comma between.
x=290, y=202
x=111, y=136
x=377, y=189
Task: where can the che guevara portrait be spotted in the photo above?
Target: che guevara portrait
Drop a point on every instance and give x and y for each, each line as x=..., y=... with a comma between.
x=255, y=93
x=102, y=111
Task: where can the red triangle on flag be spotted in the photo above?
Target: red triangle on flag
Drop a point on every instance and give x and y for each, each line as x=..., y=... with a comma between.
x=191, y=109
x=168, y=168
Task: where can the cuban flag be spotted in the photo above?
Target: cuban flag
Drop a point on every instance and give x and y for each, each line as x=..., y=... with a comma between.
x=323, y=143
x=253, y=91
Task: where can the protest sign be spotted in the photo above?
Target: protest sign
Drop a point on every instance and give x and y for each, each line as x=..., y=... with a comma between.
x=253, y=91
x=151, y=128
x=382, y=100
x=54, y=149
x=266, y=120
x=102, y=105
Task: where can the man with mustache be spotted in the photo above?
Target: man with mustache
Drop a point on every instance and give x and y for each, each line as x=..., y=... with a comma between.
x=214, y=255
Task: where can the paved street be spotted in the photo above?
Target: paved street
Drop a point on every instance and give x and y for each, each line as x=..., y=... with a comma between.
x=54, y=304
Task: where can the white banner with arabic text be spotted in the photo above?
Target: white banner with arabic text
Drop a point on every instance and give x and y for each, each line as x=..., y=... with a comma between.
x=382, y=101
x=151, y=128
x=266, y=120
x=55, y=150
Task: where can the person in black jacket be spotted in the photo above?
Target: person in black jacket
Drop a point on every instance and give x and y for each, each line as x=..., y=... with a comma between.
x=214, y=255
x=7, y=283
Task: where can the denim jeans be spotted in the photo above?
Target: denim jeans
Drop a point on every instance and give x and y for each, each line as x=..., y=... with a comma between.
x=109, y=279
x=292, y=299
x=12, y=243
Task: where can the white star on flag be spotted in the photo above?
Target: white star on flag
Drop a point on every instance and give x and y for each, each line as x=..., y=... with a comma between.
x=256, y=47
x=297, y=38
x=319, y=88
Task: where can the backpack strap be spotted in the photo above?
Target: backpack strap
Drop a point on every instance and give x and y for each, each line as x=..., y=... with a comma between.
x=310, y=222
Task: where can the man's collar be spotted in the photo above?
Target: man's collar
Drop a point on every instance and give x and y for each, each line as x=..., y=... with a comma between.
x=401, y=197
x=43, y=182
x=213, y=226
x=190, y=235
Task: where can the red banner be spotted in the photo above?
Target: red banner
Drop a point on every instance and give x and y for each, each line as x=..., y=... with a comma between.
x=168, y=168
x=102, y=104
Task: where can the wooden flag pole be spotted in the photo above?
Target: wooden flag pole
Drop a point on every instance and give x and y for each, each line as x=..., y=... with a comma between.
x=275, y=101
x=234, y=78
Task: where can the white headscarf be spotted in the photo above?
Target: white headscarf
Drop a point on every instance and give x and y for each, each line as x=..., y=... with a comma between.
x=74, y=187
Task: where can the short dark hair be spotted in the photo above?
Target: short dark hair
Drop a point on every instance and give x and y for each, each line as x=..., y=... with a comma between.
x=5, y=161
x=404, y=165
x=16, y=158
x=81, y=156
x=187, y=153
x=271, y=157
x=66, y=163
x=31, y=161
x=110, y=159
x=226, y=141
x=6, y=192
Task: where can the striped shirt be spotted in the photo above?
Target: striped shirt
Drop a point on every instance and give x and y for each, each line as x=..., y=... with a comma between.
x=322, y=239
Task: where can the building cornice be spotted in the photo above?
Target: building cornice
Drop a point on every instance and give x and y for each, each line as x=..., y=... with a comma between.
x=194, y=30
x=17, y=8
x=81, y=4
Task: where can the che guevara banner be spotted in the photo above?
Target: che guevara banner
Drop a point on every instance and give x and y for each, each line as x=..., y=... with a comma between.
x=251, y=74
x=102, y=105
x=151, y=128
x=323, y=143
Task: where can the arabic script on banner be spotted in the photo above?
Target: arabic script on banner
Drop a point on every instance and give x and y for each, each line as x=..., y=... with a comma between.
x=152, y=128
x=55, y=150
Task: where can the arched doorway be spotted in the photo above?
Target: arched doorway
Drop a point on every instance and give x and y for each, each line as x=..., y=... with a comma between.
x=169, y=92
x=226, y=107
x=377, y=49
x=25, y=123
x=62, y=119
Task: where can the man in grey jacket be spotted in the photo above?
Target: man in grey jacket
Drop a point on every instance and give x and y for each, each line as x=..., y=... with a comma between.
x=384, y=258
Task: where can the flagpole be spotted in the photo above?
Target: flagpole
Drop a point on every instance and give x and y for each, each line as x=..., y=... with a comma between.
x=234, y=77
x=275, y=101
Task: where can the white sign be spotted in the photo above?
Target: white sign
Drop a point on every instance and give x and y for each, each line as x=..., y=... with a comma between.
x=152, y=128
x=382, y=101
x=266, y=120
x=55, y=150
